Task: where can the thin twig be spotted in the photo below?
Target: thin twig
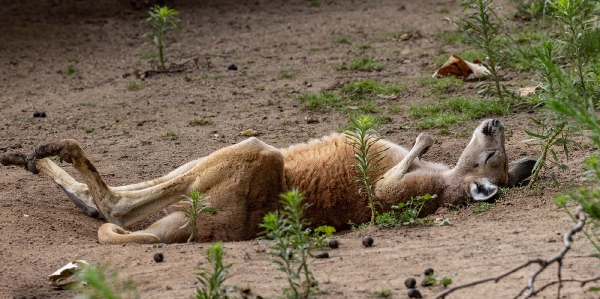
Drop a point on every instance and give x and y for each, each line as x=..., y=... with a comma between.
x=567, y=239
x=580, y=280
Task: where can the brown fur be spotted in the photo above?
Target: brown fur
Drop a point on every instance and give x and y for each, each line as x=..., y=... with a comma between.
x=244, y=181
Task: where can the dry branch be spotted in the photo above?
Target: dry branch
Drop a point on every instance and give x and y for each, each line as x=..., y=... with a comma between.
x=558, y=258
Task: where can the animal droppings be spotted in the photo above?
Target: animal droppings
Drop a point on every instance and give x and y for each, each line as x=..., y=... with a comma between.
x=429, y=271
x=39, y=114
x=334, y=244
x=367, y=241
x=322, y=255
x=158, y=257
x=232, y=67
x=414, y=293
x=410, y=283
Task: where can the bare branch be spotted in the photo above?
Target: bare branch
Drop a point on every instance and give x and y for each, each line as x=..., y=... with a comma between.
x=567, y=239
x=583, y=282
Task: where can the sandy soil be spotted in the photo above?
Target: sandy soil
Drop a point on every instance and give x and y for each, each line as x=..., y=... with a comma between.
x=41, y=230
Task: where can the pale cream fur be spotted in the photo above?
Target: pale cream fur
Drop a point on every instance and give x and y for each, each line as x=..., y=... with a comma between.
x=244, y=181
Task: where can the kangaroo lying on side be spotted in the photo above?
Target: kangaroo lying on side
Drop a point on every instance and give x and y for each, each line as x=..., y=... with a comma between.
x=244, y=182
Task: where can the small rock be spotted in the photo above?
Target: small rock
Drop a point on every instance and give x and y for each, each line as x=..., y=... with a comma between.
x=232, y=67
x=39, y=114
x=158, y=257
x=410, y=283
x=367, y=241
x=311, y=120
x=429, y=271
x=322, y=255
x=334, y=244
x=414, y=293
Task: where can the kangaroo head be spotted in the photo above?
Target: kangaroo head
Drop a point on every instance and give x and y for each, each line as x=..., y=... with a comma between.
x=483, y=164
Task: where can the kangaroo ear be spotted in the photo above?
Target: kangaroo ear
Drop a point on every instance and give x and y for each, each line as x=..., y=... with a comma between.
x=520, y=172
x=482, y=190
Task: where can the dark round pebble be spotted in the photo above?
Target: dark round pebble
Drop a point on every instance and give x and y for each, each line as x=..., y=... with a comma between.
x=367, y=241
x=39, y=114
x=429, y=271
x=414, y=293
x=158, y=257
x=322, y=255
x=232, y=67
x=410, y=283
x=334, y=244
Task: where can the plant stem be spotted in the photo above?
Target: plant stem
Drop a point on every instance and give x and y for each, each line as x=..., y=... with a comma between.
x=549, y=142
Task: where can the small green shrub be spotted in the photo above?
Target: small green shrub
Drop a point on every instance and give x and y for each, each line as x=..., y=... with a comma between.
x=482, y=207
x=202, y=122
x=212, y=280
x=367, y=158
x=324, y=101
x=456, y=111
x=172, y=135
x=341, y=40
x=195, y=199
x=408, y=213
x=363, y=63
x=291, y=246
x=99, y=283
x=89, y=130
x=161, y=21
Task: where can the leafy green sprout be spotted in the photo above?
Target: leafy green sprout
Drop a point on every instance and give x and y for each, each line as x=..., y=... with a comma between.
x=443, y=281
x=480, y=27
x=97, y=282
x=89, y=130
x=162, y=20
x=194, y=200
x=383, y=293
x=482, y=207
x=291, y=243
x=212, y=281
x=172, y=134
x=202, y=122
x=368, y=155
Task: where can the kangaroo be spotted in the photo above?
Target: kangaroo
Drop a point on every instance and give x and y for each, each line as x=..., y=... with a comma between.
x=245, y=179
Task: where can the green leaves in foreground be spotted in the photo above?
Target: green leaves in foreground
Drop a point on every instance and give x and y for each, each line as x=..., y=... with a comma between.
x=99, y=283
x=367, y=158
x=212, y=282
x=291, y=245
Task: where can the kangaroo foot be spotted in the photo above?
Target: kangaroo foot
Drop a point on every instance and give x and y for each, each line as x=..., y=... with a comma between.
x=18, y=159
x=64, y=149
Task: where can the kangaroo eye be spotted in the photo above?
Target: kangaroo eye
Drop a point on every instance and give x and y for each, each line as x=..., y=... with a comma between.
x=476, y=165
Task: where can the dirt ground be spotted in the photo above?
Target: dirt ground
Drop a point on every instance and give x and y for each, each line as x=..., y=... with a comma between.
x=41, y=230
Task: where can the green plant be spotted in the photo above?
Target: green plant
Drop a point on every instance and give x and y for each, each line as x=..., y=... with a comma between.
x=383, y=293
x=202, y=122
x=315, y=3
x=341, y=40
x=134, y=85
x=99, y=283
x=362, y=89
x=443, y=281
x=70, y=70
x=194, y=200
x=325, y=100
x=291, y=244
x=480, y=27
x=354, y=227
x=365, y=47
x=408, y=213
x=367, y=158
x=172, y=135
x=162, y=20
x=482, y=207
x=287, y=74
x=395, y=109
x=89, y=130
x=363, y=63
x=212, y=282
x=456, y=111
